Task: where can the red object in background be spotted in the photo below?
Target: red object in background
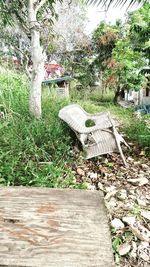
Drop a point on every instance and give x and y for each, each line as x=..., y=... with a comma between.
x=52, y=70
x=52, y=67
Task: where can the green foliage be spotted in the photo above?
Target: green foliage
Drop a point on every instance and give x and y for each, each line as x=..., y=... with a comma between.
x=17, y=9
x=136, y=210
x=104, y=40
x=80, y=64
x=16, y=28
x=13, y=93
x=99, y=97
x=94, y=94
x=39, y=152
x=89, y=123
x=139, y=133
x=116, y=243
x=122, y=51
x=33, y=152
x=140, y=29
x=128, y=64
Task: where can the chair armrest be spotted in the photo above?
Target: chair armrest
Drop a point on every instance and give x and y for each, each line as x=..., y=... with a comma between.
x=92, y=129
x=97, y=118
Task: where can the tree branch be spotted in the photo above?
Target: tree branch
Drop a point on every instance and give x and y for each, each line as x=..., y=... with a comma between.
x=40, y=5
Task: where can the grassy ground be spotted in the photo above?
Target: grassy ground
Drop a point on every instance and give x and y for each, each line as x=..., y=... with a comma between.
x=32, y=150
x=134, y=128
x=40, y=152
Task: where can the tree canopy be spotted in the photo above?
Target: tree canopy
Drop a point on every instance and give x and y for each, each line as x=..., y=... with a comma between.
x=122, y=50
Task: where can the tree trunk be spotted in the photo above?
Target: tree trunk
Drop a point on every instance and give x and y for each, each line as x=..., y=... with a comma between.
x=38, y=63
x=117, y=94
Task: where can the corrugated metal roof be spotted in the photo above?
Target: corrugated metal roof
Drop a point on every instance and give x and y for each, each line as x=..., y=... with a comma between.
x=57, y=80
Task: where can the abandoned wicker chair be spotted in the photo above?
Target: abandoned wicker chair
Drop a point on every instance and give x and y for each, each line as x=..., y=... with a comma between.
x=102, y=138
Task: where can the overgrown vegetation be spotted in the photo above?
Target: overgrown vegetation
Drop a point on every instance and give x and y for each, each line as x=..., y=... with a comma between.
x=40, y=152
x=33, y=152
x=105, y=68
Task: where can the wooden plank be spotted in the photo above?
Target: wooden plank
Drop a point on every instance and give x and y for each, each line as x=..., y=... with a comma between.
x=41, y=227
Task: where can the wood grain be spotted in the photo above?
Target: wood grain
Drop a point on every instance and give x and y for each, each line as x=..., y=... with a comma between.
x=41, y=227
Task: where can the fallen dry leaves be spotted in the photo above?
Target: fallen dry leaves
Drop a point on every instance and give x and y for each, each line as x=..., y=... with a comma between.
x=127, y=198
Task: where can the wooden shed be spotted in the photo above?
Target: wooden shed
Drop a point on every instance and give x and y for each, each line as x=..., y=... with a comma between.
x=61, y=85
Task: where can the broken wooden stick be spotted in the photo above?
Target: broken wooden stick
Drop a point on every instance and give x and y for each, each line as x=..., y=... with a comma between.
x=117, y=138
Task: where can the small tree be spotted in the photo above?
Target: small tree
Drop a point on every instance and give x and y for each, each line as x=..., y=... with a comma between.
x=104, y=40
x=124, y=68
x=30, y=16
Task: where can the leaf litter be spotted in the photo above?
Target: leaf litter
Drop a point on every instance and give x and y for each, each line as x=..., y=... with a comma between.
x=127, y=199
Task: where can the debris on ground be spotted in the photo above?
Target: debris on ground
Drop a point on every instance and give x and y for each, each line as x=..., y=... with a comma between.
x=127, y=198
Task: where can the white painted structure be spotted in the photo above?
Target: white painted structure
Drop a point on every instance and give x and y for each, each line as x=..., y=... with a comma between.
x=141, y=97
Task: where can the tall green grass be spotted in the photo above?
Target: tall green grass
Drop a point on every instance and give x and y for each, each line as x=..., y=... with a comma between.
x=93, y=94
x=14, y=93
x=139, y=133
x=33, y=152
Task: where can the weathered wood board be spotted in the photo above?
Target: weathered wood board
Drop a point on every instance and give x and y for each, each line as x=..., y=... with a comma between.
x=41, y=227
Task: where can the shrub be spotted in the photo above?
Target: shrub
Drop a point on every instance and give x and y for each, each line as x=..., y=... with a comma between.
x=139, y=133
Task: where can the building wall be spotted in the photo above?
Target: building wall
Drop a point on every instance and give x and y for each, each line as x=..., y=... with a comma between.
x=146, y=100
x=139, y=97
x=132, y=96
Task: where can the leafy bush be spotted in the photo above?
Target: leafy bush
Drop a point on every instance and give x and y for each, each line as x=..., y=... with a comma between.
x=139, y=133
x=80, y=64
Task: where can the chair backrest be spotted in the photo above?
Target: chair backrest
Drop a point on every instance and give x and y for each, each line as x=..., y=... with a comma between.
x=74, y=116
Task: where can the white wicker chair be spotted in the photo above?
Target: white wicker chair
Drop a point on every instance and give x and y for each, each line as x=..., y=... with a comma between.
x=102, y=138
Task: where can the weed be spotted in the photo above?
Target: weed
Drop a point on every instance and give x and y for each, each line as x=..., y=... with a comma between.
x=33, y=152
x=139, y=133
x=117, y=241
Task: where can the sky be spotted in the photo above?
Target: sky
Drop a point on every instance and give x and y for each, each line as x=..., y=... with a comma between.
x=97, y=14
